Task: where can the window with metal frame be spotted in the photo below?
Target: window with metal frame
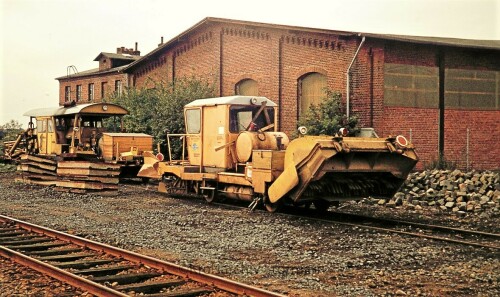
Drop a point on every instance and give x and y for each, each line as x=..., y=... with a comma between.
x=193, y=121
x=91, y=92
x=78, y=93
x=67, y=93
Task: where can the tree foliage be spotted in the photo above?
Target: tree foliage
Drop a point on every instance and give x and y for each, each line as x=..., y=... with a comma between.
x=10, y=130
x=160, y=109
x=328, y=117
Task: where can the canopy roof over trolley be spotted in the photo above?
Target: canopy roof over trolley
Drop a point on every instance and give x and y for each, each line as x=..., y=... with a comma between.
x=102, y=109
x=230, y=100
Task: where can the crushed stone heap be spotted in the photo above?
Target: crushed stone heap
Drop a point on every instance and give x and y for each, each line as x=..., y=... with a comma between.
x=455, y=191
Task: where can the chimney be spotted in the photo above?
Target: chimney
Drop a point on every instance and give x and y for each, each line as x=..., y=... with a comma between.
x=130, y=51
x=161, y=41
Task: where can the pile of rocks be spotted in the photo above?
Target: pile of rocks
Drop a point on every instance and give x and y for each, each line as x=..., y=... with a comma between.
x=455, y=191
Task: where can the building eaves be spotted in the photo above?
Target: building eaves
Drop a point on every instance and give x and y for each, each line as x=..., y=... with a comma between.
x=464, y=43
x=439, y=41
x=208, y=20
x=93, y=72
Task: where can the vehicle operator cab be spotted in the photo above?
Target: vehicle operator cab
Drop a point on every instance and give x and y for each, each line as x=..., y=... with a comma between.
x=215, y=126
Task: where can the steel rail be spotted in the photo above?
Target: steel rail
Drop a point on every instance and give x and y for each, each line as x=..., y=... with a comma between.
x=421, y=225
x=360, y=225
x=59, y=274
x=195, y=275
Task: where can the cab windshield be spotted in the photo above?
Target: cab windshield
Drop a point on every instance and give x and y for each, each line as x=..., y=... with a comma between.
x=249, y=117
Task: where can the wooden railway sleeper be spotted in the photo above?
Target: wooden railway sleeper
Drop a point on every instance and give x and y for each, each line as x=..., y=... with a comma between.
x=151, y=287
x=53, y=252
x=183, y=293
x=123, y=279
x=101, y=271
x=36, y=247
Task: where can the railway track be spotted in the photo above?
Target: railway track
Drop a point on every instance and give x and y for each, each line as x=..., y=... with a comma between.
x=104, y=270
x=428, y=231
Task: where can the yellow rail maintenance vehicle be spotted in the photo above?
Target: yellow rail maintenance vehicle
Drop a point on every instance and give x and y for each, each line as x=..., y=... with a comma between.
x=235, y=151
x=69, y=147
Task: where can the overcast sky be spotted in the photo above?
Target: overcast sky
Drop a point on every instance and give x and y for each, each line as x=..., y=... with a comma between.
x=41, y=38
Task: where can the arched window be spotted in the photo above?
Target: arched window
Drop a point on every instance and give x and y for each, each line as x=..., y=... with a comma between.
x=247, y=87
x=311, y=90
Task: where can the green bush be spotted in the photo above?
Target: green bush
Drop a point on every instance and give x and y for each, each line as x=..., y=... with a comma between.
x=328, y=117
x=160, y=109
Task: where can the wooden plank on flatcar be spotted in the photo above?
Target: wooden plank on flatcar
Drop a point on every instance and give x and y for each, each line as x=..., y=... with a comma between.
x=86, y=172
x=101, y=179
x=42, y=165
x=29, y=168
x=40, y=182
x=80, y=185
x=88, y=165
x=38, y=159
x=36, y=176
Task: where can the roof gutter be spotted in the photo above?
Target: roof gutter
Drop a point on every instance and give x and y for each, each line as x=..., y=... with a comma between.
x=348, y=74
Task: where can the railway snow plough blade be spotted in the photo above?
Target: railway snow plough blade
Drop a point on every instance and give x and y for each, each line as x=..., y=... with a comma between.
x=342, y=168
x=150, y=167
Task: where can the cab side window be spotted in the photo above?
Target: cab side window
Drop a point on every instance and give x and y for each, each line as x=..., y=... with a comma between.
x=193, y=121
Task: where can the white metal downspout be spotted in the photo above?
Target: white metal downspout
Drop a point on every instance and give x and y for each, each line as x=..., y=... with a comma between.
x=348, y=74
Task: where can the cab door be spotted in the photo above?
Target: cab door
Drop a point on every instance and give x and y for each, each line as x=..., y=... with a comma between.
x=193, y=130
x=51, y=137
x=41, y=132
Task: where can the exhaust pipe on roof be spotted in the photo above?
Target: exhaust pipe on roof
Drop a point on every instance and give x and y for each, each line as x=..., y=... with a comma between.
x=348, y=74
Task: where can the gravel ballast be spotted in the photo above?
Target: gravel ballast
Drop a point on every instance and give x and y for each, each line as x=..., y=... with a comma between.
x=299, y=257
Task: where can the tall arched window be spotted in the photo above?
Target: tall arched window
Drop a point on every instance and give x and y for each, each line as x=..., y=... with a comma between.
x=311, y=90
x=247, y=87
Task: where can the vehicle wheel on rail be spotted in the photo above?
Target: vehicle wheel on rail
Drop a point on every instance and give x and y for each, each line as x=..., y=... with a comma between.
x=307, y=205
x=208, y=190
x=209, y=196
x=321, y=205
x=272, y=207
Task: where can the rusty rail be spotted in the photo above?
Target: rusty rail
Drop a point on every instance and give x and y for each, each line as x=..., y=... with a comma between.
x=167, y=267
x=349, y=220
x=62, y=275
x=330, y=217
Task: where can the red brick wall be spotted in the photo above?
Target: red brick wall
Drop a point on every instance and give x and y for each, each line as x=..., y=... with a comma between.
x=198, y=57
x=250, y=53
x=418, y=124
x=153, y=72
x=302, y=54
x=85, y=81
x=254, y=53
x=484, y=125
x=257, y=52
x=484, y=138
x=367, y=85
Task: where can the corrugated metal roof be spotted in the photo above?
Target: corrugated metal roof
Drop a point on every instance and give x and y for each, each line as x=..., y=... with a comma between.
x=243, y=100
x=464, y=43
x=59, y=111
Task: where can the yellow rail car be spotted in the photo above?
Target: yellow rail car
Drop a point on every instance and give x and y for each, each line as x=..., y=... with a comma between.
x=69, y=147
x=235, y=151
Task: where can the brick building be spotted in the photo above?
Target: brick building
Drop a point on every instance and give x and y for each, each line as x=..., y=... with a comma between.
x=416, y=86
x=95, y=84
